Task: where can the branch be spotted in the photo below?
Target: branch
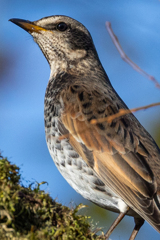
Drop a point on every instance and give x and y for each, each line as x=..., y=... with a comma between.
x=122, y=112
x=126, y=58
x=21, y=218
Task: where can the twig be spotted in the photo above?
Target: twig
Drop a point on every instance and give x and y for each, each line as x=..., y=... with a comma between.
x=122, y=112
x=126, y=58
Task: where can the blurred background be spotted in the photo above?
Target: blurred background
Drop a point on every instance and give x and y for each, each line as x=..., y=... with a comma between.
x=24, y=74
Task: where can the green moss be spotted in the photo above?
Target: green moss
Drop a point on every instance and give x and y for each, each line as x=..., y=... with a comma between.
x=30, y=213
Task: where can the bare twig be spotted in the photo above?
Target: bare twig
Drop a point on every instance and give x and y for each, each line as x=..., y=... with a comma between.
x=122, y=112
x=126, y=58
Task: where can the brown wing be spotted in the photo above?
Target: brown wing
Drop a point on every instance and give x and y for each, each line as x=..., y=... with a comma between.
x=113, y=150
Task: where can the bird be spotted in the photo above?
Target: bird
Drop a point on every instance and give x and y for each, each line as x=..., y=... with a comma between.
x=115, y=164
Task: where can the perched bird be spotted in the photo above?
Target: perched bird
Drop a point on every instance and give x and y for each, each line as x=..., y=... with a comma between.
x=113, y=164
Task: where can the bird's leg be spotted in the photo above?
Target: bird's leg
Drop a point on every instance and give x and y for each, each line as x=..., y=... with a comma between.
x=115, y=223
x=138, y=224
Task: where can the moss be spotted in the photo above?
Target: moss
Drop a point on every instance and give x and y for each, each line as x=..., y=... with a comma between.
x=30, y=213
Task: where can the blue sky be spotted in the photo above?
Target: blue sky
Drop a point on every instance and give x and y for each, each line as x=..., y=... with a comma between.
x=25, y=72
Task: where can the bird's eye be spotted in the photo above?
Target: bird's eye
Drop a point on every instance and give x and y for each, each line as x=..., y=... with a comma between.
x=62, y=26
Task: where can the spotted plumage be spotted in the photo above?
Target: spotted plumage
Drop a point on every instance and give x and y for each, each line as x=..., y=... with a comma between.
x=113, y=164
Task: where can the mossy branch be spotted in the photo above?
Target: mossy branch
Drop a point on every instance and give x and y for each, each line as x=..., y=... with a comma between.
x=28, y=213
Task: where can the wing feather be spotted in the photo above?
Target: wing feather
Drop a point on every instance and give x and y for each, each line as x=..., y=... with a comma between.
x=113, y=150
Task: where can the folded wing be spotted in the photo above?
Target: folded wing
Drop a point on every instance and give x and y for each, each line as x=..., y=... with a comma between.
x=113, y=149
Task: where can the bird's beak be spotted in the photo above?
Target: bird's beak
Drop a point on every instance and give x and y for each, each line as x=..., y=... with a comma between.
x=27, y=25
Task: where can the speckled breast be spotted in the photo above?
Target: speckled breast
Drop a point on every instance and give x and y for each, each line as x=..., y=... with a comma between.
x=74, y=169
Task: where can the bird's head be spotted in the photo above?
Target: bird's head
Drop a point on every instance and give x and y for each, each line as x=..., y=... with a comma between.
x=63, y=40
